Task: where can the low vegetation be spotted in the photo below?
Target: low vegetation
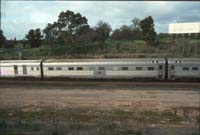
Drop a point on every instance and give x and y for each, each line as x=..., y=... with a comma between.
x=112, y=49
x=83, y=121
x=71, y=37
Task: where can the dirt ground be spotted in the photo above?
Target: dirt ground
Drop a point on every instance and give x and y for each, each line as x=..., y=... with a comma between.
x=128, y=99
x=163, y=112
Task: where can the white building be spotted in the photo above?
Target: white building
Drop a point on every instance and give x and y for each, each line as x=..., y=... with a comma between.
x=184, y=28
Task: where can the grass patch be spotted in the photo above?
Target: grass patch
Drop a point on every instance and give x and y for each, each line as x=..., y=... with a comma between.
x=80, y=121
x=121, y=115
x=171, y=117
x=151, y=116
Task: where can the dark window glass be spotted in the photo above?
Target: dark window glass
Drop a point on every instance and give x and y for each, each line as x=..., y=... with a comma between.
x=195, y=68
x=138, y=68
x=79, y=68
x=150, y=68
x=124, y=68
x=160, y=67
x=172, y=67
x=101, y=68
x=37, y=68
x=15, y=67
x=185, y=68
x=32, y=68
x=70, y=68
x=50, y=68
x=58, y=68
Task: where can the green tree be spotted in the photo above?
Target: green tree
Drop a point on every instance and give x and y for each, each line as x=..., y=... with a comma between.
x=31, y=38
x=51, y=33
x=149, y=34
x=135, y=23
x=2, y=39
x=69, y=25
x=34, y=38
x=124, y=33
x=38, y=37
x=136, y=29
x=102, y=30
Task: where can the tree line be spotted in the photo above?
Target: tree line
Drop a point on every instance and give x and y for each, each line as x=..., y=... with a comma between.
x=72, y=29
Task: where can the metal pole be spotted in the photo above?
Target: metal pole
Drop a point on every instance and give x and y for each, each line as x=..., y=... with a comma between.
x=189, y=47
x=183, y=45
x=196, y=45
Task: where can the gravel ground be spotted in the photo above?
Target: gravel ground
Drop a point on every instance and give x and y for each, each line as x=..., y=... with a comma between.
x=181, y=101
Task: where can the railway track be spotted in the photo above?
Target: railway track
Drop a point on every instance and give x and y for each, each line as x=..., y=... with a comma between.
x=114, y=84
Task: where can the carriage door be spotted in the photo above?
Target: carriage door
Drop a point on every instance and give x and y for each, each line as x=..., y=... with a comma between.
x=161, y=72
x=15, y=70
x=100, y=72
x=24, y=69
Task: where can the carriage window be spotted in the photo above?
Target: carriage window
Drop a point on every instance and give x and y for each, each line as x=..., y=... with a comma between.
x=178, y=61
x=160, y=67
x=58, y=68
x=172, y=67
x=32, y=68
x=70, y=68
x=50, y=68
x=101, y=68
x=195, y=68
x=15, y=67
x=185, y=68
x=138, y=68
x=37, y=68
x=150, y=68
x=79, y=68
x=124, y=68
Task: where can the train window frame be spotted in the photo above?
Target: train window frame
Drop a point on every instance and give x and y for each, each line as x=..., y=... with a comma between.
x=185, y=68
x=195, y=68
x=124, y=68
x=32, y=68
x=79, y=68
x=101, y=68
x=59, y=68
x=138, y=68
x=70, y=68
x=50, y=68
x=150, y=68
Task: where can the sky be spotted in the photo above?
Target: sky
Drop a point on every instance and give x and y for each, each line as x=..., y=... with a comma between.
x=18, y=17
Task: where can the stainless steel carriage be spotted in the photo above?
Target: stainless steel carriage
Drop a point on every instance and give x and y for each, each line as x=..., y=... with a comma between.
x=20, y=68
x=105, y=68
x=183, y=68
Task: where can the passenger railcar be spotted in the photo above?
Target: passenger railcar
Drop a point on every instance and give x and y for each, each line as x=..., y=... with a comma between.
x=105, y=68
x=180, y=68
x=153, y=68
x=20, y=68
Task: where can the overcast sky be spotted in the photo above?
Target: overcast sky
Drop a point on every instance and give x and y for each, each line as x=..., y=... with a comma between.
x=17, y=17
